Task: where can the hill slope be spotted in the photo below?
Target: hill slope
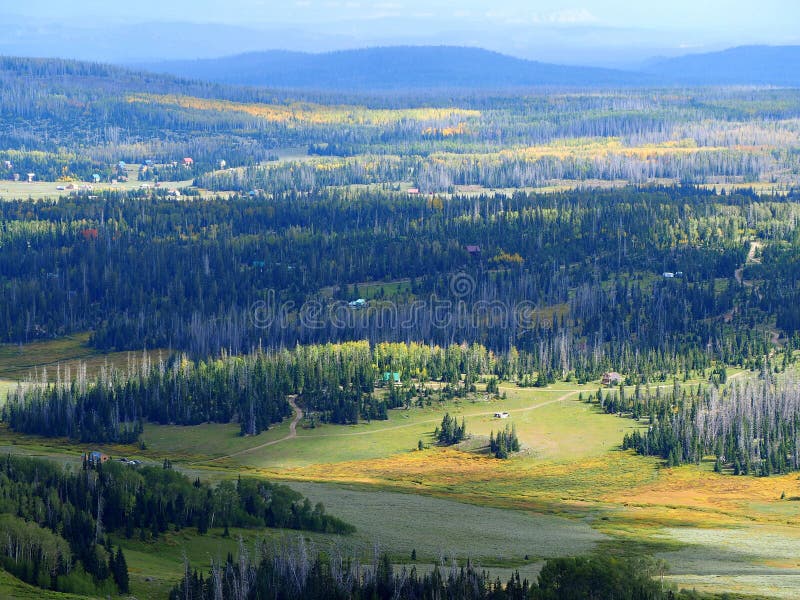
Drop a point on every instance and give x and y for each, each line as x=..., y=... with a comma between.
x=443, y=67
x=757, y=65
x=391, y=68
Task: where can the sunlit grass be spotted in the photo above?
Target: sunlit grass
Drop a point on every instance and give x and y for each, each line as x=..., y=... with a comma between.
x=20, y=361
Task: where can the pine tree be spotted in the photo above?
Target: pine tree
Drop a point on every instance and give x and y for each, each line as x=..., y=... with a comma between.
x=120, y=572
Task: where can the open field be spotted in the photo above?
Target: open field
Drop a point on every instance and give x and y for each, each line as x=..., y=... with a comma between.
x=550, y=423
x=5, y=386
x=14, y=589
x=17, y=362
x=38, y=190
x=441, y=529
x=570, y=491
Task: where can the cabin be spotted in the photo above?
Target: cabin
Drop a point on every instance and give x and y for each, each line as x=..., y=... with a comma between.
x=188, y=162
x=222, y=164
x=501, y=415
x=390, y=377
x=668, y=275
x=612, y=378
x=413, y=191
x=7, y=164
x=360, y=303
x=16, y=176
x=473, y=250
x=95, y=457
x=96, y=177
x=31, y=177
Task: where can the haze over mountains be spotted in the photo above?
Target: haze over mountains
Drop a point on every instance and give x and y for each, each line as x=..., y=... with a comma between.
x=150, y=31
x=418, y=67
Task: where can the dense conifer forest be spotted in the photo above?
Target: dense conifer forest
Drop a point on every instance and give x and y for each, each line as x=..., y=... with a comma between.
x=59, y=526
x=748, y=428
x=573, y=278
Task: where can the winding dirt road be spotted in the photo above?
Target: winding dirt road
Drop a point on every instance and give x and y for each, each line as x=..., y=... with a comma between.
x=298, y=414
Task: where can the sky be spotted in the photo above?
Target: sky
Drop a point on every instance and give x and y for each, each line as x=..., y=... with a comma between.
x=610, y=32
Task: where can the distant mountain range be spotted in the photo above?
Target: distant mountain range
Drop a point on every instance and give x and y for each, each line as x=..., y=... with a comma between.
x=442, y=67
x=744, y=65
x=398, y=67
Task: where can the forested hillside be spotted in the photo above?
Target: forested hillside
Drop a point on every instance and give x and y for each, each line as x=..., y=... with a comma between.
x=68, y=121
x=447, y=67
x=484, y=325
x=58, y=527
x=576, y=279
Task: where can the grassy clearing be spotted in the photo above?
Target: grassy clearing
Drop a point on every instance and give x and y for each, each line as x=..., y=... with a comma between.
x=329, y=444
x=206, y=441
x=437, y=527
x=40, y=190
x=14, y=589
x=5, y=386
x=156, y=566
x=17, y=362
x=570, y=491
x=495, y=539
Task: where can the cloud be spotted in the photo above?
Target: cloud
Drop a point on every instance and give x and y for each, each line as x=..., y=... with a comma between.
x=570, y=16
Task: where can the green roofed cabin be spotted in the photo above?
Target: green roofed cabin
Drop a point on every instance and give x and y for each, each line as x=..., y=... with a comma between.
x=393, y=378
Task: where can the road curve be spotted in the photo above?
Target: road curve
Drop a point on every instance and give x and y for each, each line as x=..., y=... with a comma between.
x=298, y=414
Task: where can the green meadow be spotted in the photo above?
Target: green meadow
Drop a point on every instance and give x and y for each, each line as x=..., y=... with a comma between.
x=570, y=490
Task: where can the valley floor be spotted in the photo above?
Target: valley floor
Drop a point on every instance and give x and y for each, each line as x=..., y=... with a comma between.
x=570, y=491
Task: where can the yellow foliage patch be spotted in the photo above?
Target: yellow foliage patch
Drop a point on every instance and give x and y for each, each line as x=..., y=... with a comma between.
x=308, y=113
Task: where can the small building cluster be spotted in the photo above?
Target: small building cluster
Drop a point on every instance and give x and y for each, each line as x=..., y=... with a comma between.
x=612, y=378
x=392, y=378
x=95, y=457
x=92, y=458
x=360, y=303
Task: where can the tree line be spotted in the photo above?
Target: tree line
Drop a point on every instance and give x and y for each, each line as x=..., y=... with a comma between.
x=293, y=570
x=747, y=428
